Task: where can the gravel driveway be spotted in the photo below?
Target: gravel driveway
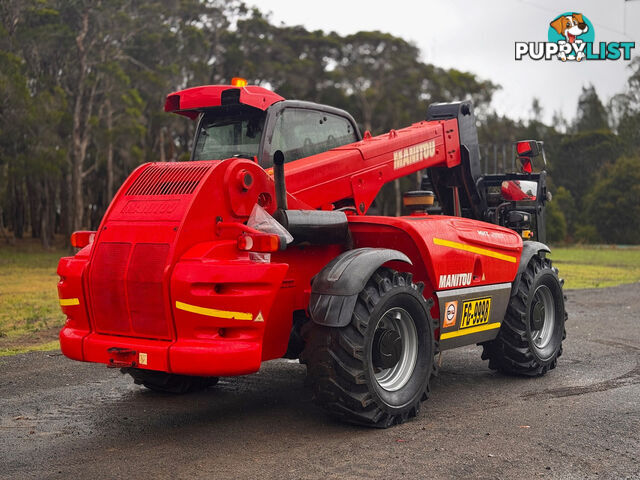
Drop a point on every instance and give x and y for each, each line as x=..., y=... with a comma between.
x=64, y=419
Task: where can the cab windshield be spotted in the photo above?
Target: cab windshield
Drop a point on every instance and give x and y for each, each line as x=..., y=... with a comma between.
x=226, y=132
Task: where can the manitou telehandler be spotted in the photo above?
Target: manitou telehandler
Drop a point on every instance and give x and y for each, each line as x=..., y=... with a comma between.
x=260, y=248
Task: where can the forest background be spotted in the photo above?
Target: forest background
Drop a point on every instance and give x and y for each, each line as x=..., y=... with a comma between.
x=83, y=83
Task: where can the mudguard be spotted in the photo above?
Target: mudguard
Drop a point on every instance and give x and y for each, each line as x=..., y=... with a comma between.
x=335, y=289
x=529, y=249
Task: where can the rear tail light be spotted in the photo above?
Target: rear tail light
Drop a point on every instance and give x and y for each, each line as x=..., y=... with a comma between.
x=82, y=238
x=259, y=242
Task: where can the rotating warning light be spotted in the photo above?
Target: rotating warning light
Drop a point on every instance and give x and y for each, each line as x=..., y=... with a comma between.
x=239, y=82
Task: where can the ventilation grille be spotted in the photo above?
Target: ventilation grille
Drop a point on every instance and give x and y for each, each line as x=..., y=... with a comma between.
x=168, y=179
x=144, y=289
x=128, y=294
x=108, y=287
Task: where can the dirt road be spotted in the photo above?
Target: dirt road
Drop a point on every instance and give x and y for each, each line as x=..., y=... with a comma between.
x=63, y=419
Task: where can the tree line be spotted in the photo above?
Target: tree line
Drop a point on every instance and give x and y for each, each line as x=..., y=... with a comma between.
x=594, y=164
x=83, y=82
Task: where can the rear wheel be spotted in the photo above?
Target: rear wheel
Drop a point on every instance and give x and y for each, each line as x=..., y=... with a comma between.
x=169, y=382
x=530, y=338
x=376, y=370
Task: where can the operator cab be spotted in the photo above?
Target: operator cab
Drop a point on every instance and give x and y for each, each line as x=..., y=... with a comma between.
x=298, y=129
x=252, y=122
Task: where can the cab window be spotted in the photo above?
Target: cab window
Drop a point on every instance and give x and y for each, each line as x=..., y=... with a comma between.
x=301, y=133
x=229, y=131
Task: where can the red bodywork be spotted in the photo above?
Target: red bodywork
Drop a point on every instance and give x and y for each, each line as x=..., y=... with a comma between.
x=190, y=101
x=164, y=286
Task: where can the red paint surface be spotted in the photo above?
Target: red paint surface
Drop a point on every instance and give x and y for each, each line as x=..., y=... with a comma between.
x=170, y=235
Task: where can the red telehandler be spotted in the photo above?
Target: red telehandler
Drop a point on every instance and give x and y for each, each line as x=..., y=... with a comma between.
x=261, y=247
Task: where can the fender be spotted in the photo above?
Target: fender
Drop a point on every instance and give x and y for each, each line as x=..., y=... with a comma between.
x=529, y=249
x=335, y=289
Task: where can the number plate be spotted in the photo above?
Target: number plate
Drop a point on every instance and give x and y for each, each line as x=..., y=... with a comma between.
x=475, y=312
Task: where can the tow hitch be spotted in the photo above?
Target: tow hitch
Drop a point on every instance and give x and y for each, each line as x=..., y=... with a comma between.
x=121, y=357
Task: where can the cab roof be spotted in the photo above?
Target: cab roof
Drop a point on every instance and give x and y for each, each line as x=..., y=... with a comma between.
x=191, y=101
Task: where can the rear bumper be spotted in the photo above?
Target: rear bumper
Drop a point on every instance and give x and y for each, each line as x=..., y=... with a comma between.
x=212, y=357
x=219, y=317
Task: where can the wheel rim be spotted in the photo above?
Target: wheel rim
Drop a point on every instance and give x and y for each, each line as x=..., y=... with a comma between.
x=401, y=322
x=542, y=316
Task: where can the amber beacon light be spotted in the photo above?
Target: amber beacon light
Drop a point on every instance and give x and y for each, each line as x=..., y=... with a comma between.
x=239, y=82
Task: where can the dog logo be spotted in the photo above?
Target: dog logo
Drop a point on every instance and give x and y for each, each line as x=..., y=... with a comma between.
x=570, y=26
x=571, y=37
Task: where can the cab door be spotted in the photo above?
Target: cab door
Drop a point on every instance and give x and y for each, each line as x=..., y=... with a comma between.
x=300, y=131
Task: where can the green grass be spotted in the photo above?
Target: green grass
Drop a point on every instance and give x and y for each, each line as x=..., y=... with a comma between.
x=40, y=347
x=30, y=315
x=29, y=305
x=597, y=266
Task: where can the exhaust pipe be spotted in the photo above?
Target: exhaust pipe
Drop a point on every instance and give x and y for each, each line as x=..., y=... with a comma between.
x=278, y=178
x=307, y=226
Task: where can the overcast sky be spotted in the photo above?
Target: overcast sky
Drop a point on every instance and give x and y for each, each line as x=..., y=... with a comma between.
x=479, y=36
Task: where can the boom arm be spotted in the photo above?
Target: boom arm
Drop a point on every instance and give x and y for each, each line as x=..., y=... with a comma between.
x=359, y=170
x=447, y=142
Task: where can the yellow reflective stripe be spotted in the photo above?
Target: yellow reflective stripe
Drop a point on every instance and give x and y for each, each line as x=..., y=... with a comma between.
x=212, y=312
x=472, y=249
x=66, y=302
x=467, y=331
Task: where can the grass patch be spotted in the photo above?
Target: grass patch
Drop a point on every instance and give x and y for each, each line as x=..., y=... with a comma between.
x=597, y=266
x=28, y=293
x=42, y=347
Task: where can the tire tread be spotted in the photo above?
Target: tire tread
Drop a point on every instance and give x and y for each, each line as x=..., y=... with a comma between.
x=510, y=351
x=335, y=357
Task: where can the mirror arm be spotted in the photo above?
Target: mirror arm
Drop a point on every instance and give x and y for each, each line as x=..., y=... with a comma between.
x=544, y=157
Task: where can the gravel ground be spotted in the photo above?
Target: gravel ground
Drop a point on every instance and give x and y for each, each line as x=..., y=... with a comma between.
x=64, y=419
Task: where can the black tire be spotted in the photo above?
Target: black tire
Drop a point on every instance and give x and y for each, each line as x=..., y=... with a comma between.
x=523, y=346
x=168, y=382
x=340, y=361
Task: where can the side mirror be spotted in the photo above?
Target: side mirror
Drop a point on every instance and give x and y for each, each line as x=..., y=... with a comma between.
x=519, y=190
x=526, y=150
x=526, y=164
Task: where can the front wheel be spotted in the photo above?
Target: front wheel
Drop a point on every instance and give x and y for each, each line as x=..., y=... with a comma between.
x=530, y=338
x=376, y=370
